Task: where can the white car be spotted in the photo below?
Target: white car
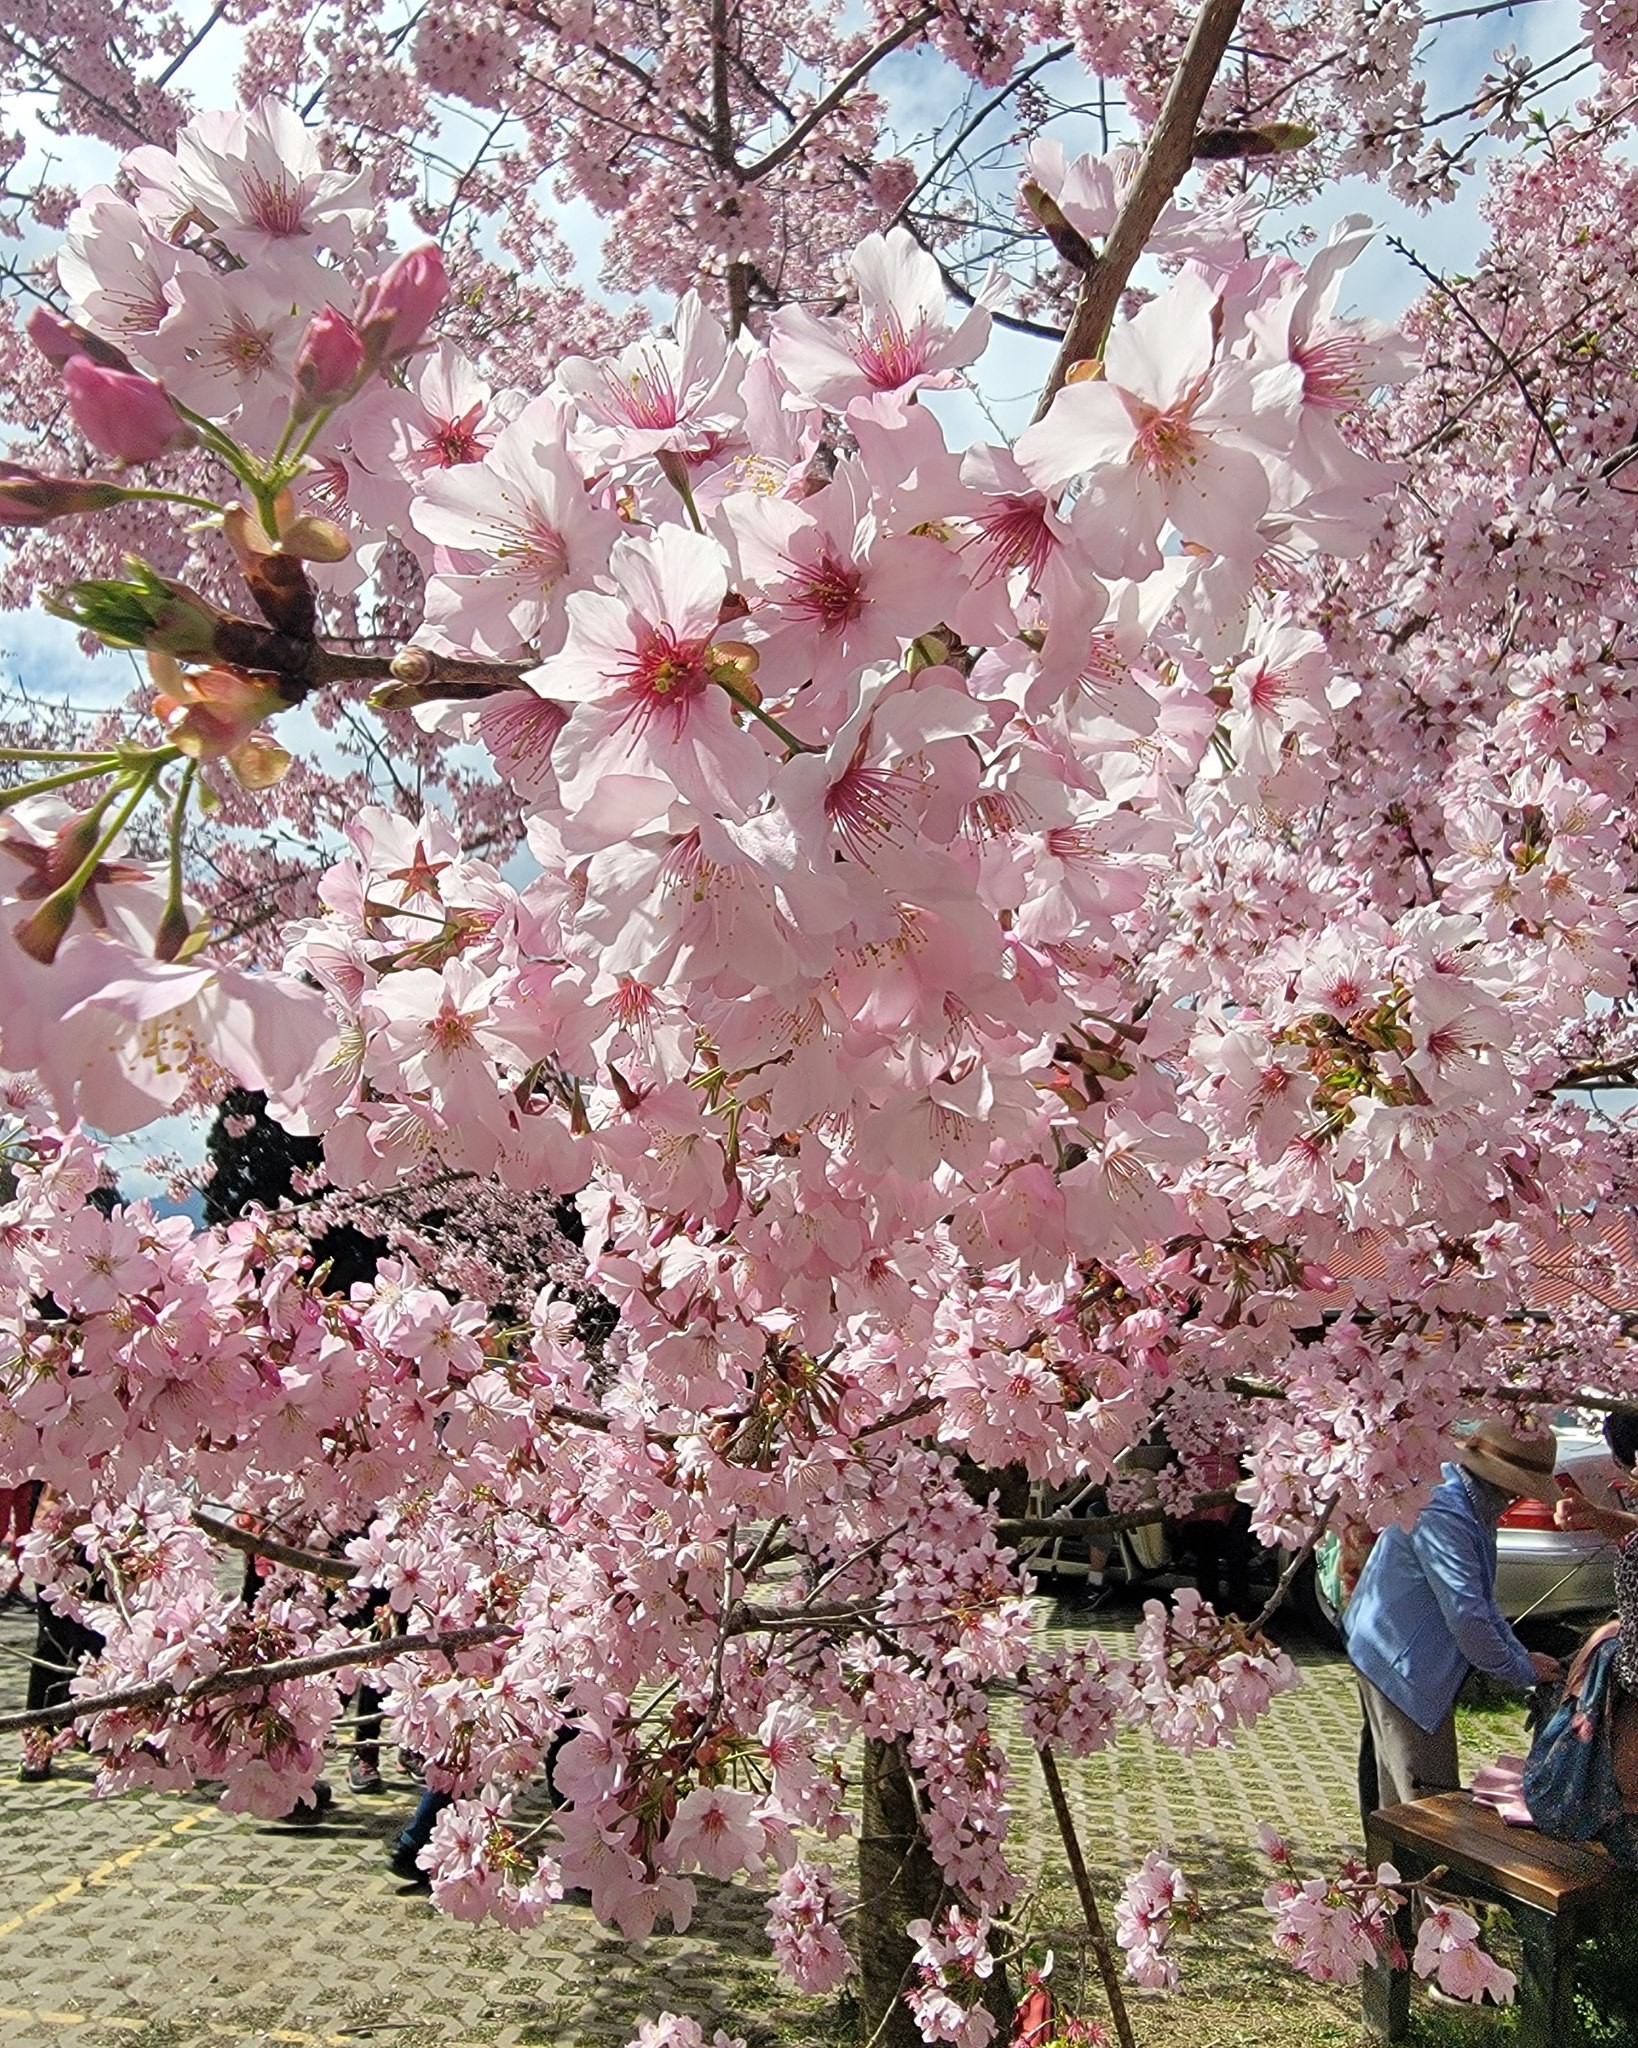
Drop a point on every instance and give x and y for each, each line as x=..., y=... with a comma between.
x=1541, y=1570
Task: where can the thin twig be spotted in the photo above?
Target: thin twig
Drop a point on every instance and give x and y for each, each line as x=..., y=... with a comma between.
x=971, y=126
x=1514, y=374
x=1293, y=1566
x=789, y=144
x=1089, y=1904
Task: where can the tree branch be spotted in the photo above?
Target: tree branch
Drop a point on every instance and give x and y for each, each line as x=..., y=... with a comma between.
x=1089, y=1904
x=973, y=123
x=253, y=1544
x=161, y=1693
x=1031, y=1528
x=789, y=144
x=1166, y=156
x=1294, y=1565
x=1510, y=368
x=419, y=668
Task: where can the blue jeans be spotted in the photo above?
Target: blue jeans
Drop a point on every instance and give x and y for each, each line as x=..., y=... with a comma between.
x=419, y=1832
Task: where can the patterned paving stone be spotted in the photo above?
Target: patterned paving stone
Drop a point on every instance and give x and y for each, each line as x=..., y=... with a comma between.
x=161, y=1922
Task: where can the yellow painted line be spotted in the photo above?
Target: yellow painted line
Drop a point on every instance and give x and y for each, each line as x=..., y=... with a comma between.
x=41, y=2017
x=100, y=1875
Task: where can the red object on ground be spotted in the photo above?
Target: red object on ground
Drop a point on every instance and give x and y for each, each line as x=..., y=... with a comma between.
x=1032, y=2022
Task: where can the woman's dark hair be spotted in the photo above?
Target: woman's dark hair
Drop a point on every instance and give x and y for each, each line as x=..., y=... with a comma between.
x=1621, y=1434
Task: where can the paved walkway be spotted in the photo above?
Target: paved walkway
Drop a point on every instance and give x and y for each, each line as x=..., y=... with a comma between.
x=161, y=1922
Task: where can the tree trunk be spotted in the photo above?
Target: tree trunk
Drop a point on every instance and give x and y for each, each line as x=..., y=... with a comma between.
x=898, y=1879
x=898, y=1882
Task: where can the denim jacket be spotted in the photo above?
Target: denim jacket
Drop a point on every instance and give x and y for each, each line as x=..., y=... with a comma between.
x=1425, y=1610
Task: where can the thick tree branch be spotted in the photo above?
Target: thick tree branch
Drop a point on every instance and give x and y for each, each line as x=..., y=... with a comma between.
x=409, y=669
x=161, y=1693
x=1166, y=156
x=1597, y=1074
x=1030, y=1528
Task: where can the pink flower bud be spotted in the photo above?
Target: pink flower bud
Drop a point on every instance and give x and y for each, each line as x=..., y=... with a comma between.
x=397, y=307
x=124, y=415
x=329, y=363
x=30, y=498
x=60, y=341
x=212, y=713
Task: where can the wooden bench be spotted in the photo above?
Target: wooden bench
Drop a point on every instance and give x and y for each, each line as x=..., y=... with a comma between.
x=1557, y=1892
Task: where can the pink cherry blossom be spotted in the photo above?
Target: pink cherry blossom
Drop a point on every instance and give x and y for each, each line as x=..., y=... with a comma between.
x=1162, y=437
x=651, y=722
x=522, y=514
x=898, y=341
x=1447, y=1949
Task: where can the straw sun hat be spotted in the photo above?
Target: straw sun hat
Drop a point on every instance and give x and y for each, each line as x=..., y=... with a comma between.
x=1517, y=1464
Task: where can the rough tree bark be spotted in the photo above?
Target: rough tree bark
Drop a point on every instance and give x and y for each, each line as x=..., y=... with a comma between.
x=898, y=1881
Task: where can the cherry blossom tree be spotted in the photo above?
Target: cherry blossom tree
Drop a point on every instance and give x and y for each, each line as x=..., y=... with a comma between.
x=1000, y=947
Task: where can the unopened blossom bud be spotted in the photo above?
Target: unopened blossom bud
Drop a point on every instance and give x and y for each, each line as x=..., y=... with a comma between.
x=143, y=610
x=173, y=933
x=329, y=364
x=398, y=307
x=1069, y=242
x=927, y=650
x=126, y=416
x=259, y=762
x=311, y=539
x=27, y=498
x=60, y=341
x=736, y=661
x=42, y=932
x=412, y=665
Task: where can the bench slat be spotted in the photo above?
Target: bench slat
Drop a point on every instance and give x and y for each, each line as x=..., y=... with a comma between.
x=1472, y=1838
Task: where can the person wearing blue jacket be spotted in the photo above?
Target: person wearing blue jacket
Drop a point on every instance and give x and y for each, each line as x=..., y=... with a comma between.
x=1424, y=1614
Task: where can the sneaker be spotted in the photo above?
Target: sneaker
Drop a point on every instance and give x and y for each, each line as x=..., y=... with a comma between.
x=34, y=1774
x=311, y=1809
x=403, y=1865
x=410, y=1765
x=363, y=1777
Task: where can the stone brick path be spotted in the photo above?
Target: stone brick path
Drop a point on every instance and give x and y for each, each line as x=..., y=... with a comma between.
x=161, y=1922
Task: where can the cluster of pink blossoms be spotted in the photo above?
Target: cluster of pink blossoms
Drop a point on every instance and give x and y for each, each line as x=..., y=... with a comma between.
x=1333, y=1927
x=944, y=959
x=1192, y=1681
x=952, y=1961
x=1152, y=1899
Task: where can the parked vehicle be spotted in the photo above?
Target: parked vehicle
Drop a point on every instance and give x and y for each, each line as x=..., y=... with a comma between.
x=1541, y=1571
